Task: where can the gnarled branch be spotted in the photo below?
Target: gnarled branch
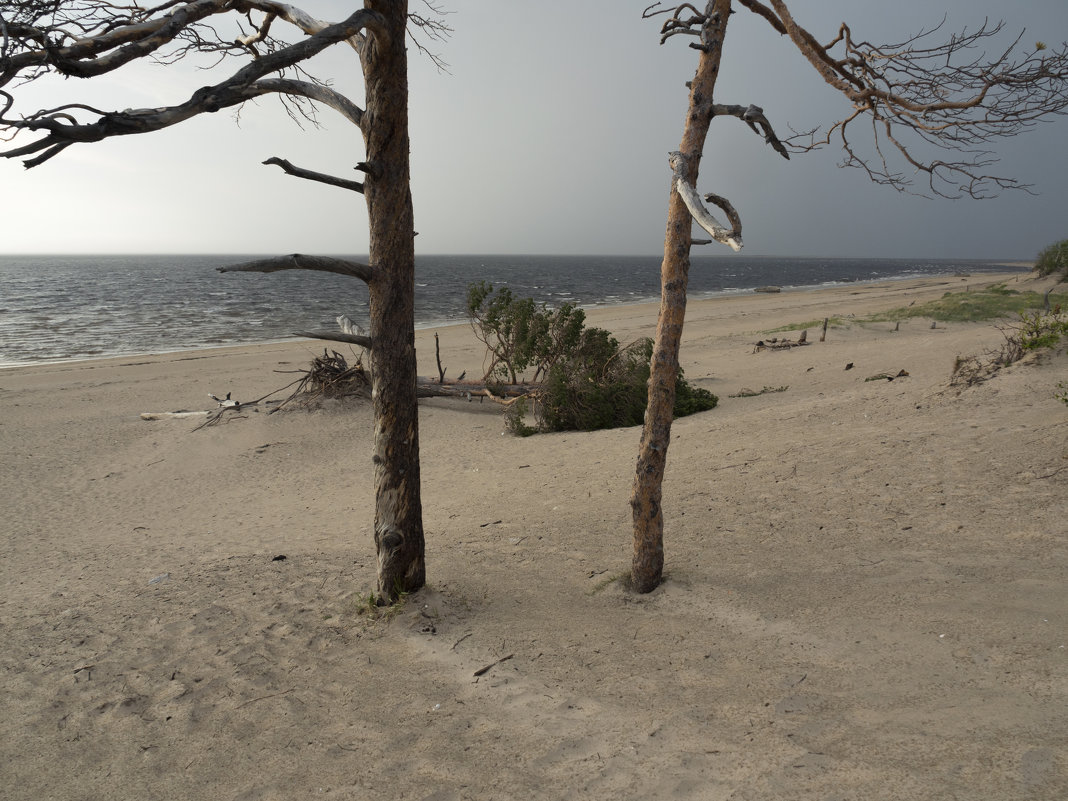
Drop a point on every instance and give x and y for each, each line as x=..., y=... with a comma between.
x=753, y=116
x=249, y=82
x=949, y=96
x=732, y=237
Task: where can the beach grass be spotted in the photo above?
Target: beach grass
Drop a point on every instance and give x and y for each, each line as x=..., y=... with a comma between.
x=832, y=322
x=989, y=303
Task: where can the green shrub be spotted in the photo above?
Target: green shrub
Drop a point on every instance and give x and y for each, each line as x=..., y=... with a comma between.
x=600, y=385
x=518, y=333
x=1036, y=330
x=1054, y=259
x=588, y=381
x=515, y=419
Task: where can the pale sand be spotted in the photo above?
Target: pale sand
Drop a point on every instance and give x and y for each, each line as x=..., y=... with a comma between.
x=866, y=594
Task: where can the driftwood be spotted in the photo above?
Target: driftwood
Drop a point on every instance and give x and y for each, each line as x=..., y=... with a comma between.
x=179, y=415
x=331, y=376
x=505, y=394
x=774, y=343
x=888, y=376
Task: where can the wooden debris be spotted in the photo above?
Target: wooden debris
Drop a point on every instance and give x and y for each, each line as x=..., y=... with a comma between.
x=180, y=415
x=774, y=343
x=484, y=670
x=887, y=376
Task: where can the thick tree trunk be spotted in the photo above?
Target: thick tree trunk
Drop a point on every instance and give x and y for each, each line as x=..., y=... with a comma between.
x=648, y=561
x=398, y=508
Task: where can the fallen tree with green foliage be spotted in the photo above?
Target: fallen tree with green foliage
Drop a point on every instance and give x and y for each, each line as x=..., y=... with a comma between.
x=583, y=379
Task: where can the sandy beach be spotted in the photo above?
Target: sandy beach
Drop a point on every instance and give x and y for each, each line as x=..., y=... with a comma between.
x=865, y=595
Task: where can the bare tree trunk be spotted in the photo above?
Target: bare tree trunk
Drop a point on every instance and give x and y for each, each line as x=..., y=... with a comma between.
x=648, y=561
x=398, y=507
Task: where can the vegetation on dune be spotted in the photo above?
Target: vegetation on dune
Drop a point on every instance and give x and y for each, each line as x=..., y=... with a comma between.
x=583, y=379
x=984, y=304
x=990, y=303
x=1053, y=259
x=832, y=322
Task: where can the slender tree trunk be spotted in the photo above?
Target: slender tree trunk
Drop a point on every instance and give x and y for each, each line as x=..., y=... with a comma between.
x=398, y=508
x=648, y=561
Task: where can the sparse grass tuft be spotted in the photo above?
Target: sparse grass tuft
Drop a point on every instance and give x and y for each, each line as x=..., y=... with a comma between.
x=374, y=607
x=832, y=322
x=623, y=576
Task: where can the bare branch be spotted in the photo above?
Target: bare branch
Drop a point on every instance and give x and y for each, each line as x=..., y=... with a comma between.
x=336, y=336
x=311, y=175
x=298, y=261
x=762, y=10
x=753, y=116
x=247, y=83
x=950, y=96
x=434, y=28
x=732, y=215
x=700, y=214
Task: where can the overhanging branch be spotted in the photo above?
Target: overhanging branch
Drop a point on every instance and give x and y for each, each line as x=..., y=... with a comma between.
x=62, y=129
x=957, y=96
x=299, y=261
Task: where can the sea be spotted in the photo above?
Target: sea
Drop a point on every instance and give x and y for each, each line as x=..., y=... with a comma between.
x=61, y=308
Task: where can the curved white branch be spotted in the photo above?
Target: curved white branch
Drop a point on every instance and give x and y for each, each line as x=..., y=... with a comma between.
x=701, y=215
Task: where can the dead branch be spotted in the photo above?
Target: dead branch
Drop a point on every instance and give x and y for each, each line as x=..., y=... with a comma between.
x=310, y=175
x=950, y=96
x=87, y=56
x=753, y=116
x=336, y=336
x=299, y=261
x=701, y=215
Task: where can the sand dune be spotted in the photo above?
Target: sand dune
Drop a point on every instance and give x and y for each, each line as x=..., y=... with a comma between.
x=865, y=594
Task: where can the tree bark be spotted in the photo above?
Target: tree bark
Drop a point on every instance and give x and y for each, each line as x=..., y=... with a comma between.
x=398, y=507
x=648, y=560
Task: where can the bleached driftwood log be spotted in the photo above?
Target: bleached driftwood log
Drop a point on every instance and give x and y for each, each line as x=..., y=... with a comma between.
x=172, y=415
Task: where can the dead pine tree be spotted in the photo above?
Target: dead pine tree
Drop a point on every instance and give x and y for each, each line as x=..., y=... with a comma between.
x=89, y=38
x=934, y=110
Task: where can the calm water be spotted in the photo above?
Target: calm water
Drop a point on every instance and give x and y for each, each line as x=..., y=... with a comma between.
x=55, y=308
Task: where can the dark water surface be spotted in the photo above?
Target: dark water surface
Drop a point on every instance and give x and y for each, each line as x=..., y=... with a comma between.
x=55, y=308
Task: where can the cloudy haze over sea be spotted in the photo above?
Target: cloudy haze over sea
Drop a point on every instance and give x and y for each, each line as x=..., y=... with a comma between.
x=548, y=134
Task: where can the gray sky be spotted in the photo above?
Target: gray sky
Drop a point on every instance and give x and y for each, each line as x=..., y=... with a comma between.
x=549, y=135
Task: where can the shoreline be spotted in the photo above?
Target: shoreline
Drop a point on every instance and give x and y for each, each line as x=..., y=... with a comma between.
x=593, y=313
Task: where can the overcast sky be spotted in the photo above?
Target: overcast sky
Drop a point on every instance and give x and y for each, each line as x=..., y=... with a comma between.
x=549, y=135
